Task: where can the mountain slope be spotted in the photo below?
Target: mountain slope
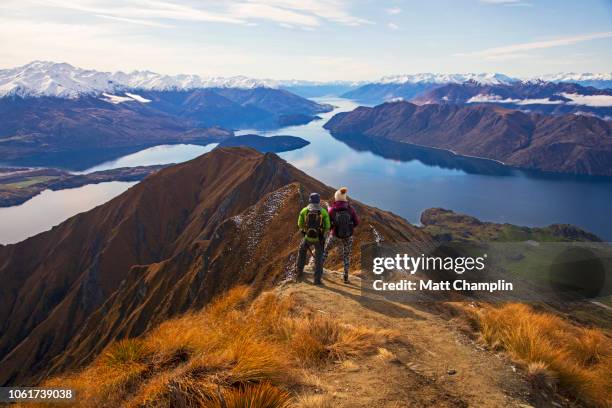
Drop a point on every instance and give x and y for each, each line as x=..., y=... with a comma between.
x=43, y=127
x=533, y=96
x=234, y=107
x=564, y=144
x=323, y=346
x=166, y=245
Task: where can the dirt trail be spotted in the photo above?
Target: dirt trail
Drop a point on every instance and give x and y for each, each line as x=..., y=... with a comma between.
x=436, y=367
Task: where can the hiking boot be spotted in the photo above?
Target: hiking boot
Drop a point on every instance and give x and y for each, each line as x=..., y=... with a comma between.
x=317, y=281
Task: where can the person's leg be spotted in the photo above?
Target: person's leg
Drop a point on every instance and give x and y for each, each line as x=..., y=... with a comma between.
x=347, y=244
x=301, y=259
x=329, y=243
x=318, y=254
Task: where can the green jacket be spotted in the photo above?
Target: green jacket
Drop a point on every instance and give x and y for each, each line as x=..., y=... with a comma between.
x=325, y=220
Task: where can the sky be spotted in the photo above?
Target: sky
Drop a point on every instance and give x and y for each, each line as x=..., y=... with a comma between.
x=311, y=39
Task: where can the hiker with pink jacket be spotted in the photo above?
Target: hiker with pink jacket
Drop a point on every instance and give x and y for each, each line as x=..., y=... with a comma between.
x=343, y=221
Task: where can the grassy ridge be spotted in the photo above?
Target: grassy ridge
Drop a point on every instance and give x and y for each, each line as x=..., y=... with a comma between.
x=234, y=353
x=556, y=353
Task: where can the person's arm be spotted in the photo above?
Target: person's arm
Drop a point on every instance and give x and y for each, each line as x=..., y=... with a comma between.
x=330, y=213
x=354, y=217
x=326, y=220
x=301, y=219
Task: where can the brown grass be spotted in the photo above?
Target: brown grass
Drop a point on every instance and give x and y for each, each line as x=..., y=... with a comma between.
x=237, y=352
x=552, y=349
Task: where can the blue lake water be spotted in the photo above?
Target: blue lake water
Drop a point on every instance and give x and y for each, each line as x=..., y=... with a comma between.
x=402, y=180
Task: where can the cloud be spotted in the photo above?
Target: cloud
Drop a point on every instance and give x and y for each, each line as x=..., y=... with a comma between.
x=599, y=101
x=303, y=13
x=134, y=21
x=393, y=26
x=535, y=45
x=507, y=2
x=492, y=98
x=393, y=10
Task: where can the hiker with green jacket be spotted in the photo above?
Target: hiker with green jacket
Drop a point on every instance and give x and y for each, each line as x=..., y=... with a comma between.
x=314, y=223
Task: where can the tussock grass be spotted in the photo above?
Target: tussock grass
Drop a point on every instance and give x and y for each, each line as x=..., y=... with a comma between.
x=314, y=401
x=553, y=350
x=128, y=351
x=236, y=352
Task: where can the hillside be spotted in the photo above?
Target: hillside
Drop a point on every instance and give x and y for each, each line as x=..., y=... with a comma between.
x=573, y=144
x=447, y=225
x=305, y=346
x=167, y=245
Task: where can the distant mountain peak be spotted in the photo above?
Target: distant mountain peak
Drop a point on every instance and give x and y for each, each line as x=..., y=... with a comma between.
x=432, y=78
x=47, y=78
x=576, y=77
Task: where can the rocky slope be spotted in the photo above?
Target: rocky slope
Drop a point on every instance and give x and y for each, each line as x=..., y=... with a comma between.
x=574, y=144
x=166, y=245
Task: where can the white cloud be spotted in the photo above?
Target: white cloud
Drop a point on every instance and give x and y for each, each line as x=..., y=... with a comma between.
x=492, y=98
x=575, y=99
x=305, y=13
x=393, y=26
x=507, y=2
x=393, y=10
x=600, y=101
x=258, y=11
x=535, y=45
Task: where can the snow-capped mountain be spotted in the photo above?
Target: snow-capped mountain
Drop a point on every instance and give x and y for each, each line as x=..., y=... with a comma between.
x=576, y=77
x=596, y=80
x=430, y=78
x=44, y=78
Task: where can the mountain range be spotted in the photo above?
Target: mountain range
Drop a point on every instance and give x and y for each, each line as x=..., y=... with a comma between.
x=53, y=111
x=165, y=246
x=46, y=78
x=420, y=87
x=533, y=96
x=576, y=144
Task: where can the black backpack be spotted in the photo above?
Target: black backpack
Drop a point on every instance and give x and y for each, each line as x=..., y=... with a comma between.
x=343, y=223
x=313, y=224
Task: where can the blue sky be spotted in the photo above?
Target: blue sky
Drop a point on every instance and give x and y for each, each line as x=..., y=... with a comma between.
x=311, y=39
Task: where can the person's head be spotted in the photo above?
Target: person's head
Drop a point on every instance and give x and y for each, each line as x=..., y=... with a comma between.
x=314, y=198
x=340, y=195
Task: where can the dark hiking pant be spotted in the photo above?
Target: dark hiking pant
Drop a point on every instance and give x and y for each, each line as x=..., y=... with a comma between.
x=317, y=248
x=347, y=244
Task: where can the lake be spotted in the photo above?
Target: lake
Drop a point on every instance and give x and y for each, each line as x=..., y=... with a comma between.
x=402, y=179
